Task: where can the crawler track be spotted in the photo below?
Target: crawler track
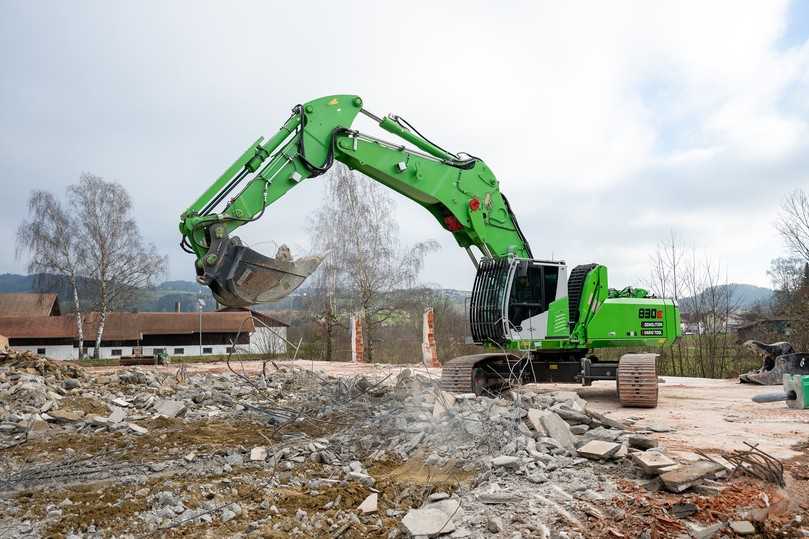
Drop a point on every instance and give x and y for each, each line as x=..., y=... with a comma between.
x=637, y=380
x=456, y=376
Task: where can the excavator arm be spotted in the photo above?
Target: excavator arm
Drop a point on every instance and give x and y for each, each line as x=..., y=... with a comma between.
x=459, y=190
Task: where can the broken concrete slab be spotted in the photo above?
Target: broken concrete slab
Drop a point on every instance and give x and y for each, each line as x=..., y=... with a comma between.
x=704, y=532
x=137, y=429
x=117, y=415
x=573, y=417
x=599, y=450
x=427, y=522
x=651, y=461
x=579, y=429
x=604, y=420
x=448, y=506
x=680, y=480
x=369, y=504
x=169, y=408
x=602, y=433
x=258, y=453
x=534, y=420
x=65, y=416
x=742, y=527
x=559, y=430
x=505, y=460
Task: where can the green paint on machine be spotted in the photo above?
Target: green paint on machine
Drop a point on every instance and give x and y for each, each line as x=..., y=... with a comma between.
x=515, y=298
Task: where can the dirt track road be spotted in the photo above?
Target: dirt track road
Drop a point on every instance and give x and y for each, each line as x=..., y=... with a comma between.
x=704, y=414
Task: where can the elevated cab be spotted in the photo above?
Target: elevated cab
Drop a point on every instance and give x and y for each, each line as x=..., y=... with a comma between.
x=511, y=298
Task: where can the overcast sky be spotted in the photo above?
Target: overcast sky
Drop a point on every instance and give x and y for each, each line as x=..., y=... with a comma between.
x=608, y=124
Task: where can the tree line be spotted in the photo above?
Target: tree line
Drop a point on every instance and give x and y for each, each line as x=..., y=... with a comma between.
x=700, y=284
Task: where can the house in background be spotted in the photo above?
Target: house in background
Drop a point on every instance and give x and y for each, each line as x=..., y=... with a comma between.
x=29, y=305
x=175, y=333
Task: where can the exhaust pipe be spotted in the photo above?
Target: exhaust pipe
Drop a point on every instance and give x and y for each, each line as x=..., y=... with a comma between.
x=240, y=277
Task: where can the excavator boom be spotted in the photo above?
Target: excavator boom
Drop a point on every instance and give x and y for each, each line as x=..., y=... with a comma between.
x=460, y=191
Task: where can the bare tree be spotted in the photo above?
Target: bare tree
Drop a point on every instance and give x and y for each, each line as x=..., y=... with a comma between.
x=790, y=277
x=356, y=229
x=668, y=281
x=793, y=223
x=110, y=244
x=50, y=239
x=711, y=304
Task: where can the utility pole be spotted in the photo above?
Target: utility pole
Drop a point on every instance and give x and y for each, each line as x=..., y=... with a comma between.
x=200, y=305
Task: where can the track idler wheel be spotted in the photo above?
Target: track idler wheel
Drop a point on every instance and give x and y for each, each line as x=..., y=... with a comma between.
x=637, y=380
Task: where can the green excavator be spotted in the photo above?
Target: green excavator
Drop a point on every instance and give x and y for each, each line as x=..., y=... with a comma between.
x=536, y=321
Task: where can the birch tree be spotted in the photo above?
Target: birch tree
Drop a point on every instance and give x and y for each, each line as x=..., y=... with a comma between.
x=355, y=228
x=49, y=238
x=117, y=259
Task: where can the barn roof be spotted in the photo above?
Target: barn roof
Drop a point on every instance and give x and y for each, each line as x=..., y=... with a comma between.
x=29, y=304
x=126, y=326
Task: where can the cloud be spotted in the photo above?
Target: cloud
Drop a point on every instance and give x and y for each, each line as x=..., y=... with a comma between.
x=608, y=125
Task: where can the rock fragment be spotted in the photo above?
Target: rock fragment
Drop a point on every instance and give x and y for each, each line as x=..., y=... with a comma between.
x=559, y=430
x=599, y=450
x=681, y=479
x=137, y=429
x=651, y=462
x=258, y=453
x=369, y=504
x=742, y=527
x=427, y=522
x=169, y=408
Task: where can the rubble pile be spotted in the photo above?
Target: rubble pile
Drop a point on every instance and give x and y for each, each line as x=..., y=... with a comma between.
x=292, y=452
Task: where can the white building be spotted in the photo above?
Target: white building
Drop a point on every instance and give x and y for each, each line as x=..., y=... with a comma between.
x=128, y=334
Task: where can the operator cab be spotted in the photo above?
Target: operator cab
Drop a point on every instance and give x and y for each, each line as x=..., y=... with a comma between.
x=510, y=298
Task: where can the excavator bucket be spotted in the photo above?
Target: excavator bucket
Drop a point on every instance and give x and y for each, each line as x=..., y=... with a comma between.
x=242, y=277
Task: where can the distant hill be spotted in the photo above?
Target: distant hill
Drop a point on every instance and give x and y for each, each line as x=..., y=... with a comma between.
x=162, y=298
x=743, y=296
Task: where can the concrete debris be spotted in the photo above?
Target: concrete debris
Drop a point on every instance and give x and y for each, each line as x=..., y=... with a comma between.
x=258, y=454
x=685, y=477
x=169, y=408
x=504, y=460
x=495, y=524
x=598, y=450
x=428, y=522
x=557, y=429
x=137, y=429
x=117, y=415
x=534, y=416
x=369, y=505
x=651, y=462
x=704, y=532
x=291, y=452
x=742, y=527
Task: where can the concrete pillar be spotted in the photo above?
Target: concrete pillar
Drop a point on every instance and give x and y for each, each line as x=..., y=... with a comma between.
x=429, y=349
x=357, y=342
